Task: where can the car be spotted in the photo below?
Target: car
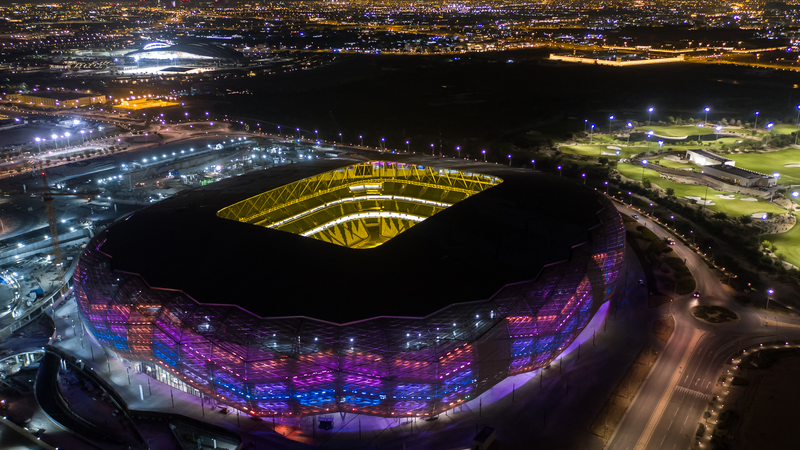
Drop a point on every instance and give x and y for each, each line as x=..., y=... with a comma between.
x=635, y=216
x=641, y=282
x=696, y=294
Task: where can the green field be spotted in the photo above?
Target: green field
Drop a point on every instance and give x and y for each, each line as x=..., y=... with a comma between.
x=732, y=208
x=772, y=162
x=596, y=150
x=788, y=244
x=784, y=129
x=683, y=130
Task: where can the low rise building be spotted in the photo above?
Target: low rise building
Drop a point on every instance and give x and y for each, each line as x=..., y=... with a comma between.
x=740, y=177
x=705, y=158
x=56, y=99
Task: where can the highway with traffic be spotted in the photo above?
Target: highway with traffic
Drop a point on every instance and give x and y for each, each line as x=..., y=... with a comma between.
x=670, y=404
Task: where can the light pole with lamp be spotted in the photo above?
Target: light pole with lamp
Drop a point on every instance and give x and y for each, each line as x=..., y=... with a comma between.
x=763, y=220
x=660, y=144
x=458, y=152
x=433, y=150
x=610, y=121
x=644, y=164
x=83, y=136
x=383, y=145
x=797, y=133
x=649, y=115
x=583, y=175
x=484, y=155
x=408, y=147
x=775, y=175
x=585, y=124
x=340, y=138
x=769, y=129
x=766, y=311
x=533, y=161
x=559, y=171
x=591, y=134
x=67, y=135
x=606, y=183
x=509, y=160
x=630, y=197
x=755, y=124
x=706, y=109
x=38, y=144
x=362, y=140
x=649, y=135
x=718, y=128
x=55, y=139
x=629, y=125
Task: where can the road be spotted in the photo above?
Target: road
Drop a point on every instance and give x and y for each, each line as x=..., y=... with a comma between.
x=670, y=405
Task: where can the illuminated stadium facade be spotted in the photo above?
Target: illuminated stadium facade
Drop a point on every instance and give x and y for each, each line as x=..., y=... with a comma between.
x=190, y=52
x=378, y=288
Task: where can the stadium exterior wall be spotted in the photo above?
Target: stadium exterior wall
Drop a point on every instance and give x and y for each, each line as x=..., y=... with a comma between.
x=387, y=366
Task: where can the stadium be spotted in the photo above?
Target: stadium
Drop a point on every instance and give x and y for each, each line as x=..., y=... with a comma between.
x=187, y=52
x=381, y=288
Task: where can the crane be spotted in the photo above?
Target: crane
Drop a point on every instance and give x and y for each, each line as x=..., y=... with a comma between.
x=50, y=210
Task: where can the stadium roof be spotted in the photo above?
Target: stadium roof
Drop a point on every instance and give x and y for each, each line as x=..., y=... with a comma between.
x=467, y=252
x=200, y=49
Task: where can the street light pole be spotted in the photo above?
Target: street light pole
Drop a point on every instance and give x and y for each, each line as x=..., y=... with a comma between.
x=559, y=171
x=706, y=109
x=484, y=155
x=433, y=149
x=610, y=121
x=408, y=147
x=797, y=133
x=755, y=124
x=644, y=164
x=533, y=161
x=591, y=134
x=649, y=115
x=509, y=160
x=629, y=125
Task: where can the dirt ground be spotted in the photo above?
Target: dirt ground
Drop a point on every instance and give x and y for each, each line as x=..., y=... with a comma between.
x=663, y=328
x=769, y=407
x=611, y=413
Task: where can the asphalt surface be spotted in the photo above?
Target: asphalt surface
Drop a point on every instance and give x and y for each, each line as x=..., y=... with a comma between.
x=668, y=408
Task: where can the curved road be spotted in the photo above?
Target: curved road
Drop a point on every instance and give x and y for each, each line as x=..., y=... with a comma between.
x=669, y=406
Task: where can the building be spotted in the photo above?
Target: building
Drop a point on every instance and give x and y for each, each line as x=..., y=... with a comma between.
x=740, y=177
x=179, y=52
x=56, y=99
x=379, y=288
x=705, y=158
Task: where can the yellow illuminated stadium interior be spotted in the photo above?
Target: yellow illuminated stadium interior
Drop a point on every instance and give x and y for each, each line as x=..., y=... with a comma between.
x=360, y=206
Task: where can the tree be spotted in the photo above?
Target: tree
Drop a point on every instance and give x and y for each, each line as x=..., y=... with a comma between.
x=720, y=216
x=670, y=192
x=602, y=160
x=646, y=183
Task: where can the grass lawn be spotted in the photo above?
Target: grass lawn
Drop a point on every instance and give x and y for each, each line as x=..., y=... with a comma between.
x=597, y=150
x=772, y=162
x=733, y=208
x=785, y=129
x=677, y=131
x=788, y=244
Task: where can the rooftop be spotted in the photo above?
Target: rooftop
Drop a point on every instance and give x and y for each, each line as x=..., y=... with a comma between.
x=709, y=155
x=466, y=252
x=738, y=171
